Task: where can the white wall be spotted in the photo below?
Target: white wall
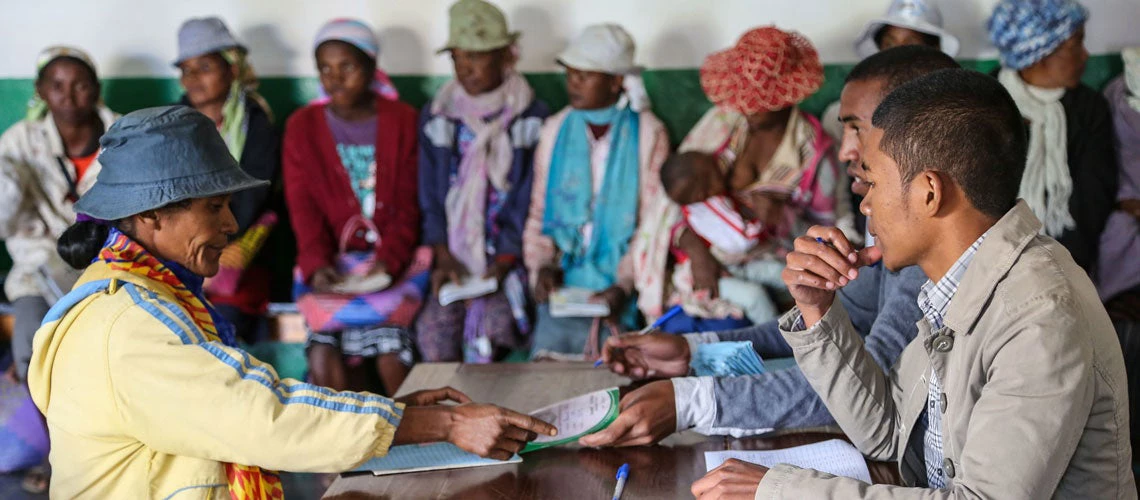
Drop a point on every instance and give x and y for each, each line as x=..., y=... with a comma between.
x=138, y=37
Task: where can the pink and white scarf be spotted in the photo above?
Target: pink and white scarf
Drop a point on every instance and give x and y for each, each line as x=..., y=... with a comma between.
x=488, y=159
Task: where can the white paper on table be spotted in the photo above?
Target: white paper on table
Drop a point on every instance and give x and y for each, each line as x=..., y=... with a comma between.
x=835, y=457
x=576, y=417
x=469, y=289
x=575, y=303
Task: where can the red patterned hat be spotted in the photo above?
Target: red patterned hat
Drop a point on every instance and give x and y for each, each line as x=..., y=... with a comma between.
x=768, y=69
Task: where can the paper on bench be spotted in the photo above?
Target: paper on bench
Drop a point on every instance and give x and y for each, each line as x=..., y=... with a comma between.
x=835, y=457
x=427, y=457
x=361, y=285
x=575, y=303
x=469, y=289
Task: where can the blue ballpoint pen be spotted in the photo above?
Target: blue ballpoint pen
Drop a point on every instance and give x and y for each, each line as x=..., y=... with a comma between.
x=654, y=327
x=622, y=476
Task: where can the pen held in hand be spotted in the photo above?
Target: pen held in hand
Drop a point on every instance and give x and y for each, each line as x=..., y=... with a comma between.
x=675, y=310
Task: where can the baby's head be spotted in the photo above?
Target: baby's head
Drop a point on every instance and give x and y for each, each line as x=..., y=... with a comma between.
x=692, y=177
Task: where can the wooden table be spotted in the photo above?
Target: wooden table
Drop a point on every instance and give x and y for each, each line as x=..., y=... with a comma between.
x=663, y=471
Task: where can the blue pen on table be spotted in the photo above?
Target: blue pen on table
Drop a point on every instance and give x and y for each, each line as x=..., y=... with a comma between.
x=622, y=477
x=675, y=310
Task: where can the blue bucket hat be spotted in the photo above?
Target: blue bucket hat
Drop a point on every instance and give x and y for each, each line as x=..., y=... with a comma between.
x=158, y=156
x=1027, y=31
x=201, y=36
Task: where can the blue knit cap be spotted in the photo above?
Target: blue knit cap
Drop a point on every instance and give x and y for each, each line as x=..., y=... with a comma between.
x=1026, y=31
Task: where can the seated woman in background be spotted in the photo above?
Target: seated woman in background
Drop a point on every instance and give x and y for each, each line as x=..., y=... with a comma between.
x=596, y=194
x=477, y=140
x=1070, y=177
x=47, y=161
x=350, y=185
x=219, y=82
x=776, y=159
x=1118, y=271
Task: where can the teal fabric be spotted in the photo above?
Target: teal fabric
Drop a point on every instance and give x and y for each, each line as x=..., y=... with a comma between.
x=569, y=194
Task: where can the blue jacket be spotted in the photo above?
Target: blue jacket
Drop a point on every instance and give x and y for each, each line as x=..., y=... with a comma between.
x=883, y=308
x=439, y=161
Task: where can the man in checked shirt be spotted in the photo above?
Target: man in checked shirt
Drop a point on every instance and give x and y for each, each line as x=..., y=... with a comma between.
x=1014, y=386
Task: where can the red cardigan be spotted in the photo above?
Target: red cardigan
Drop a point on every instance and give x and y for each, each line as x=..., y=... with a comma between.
x=320, y=197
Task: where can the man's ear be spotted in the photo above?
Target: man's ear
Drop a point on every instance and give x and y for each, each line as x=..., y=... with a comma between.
x=930, y=190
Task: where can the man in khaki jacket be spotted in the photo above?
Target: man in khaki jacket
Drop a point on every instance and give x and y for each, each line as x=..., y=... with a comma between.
x=1015, y=385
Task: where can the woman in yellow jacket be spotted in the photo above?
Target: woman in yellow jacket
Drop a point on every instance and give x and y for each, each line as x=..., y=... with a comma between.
x=145, y=393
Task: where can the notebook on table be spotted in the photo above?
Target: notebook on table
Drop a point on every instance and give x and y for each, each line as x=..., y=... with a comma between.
x=835, y=457
x=427, y=457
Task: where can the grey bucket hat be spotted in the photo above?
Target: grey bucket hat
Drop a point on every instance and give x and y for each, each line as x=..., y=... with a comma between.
x=922, y=16
x=158, y=156
x=202, y=36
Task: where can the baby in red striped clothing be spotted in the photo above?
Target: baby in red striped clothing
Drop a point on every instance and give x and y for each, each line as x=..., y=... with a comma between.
x=735, y=227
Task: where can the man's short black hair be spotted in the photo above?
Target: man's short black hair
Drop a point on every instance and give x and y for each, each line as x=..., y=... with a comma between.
x=961, y=123
x=898, y=65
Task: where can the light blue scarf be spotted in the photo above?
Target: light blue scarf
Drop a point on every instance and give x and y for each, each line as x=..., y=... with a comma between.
x=569, y=192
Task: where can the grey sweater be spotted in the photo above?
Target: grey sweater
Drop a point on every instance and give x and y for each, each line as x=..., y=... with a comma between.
x=883, y=308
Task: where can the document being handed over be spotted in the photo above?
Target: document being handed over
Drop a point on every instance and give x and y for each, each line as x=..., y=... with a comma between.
x=576, y=417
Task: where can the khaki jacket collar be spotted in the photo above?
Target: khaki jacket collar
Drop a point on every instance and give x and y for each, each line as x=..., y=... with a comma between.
x=997, y=254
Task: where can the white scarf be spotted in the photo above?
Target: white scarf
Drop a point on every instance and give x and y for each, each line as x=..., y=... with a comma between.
x=1046, y=185
x=1131, y=58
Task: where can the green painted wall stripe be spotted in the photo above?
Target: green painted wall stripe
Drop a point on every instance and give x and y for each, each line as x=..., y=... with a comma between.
x=676, y=93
